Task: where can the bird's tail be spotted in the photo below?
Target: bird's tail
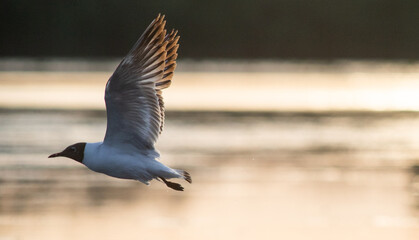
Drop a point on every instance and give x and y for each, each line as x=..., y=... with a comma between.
x=185, y=175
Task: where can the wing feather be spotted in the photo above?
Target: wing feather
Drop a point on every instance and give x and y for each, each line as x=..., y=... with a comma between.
x=133, y=95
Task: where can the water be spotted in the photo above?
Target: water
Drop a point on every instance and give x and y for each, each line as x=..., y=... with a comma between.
x=257, y=175
x=275, y=150
x=346, y=86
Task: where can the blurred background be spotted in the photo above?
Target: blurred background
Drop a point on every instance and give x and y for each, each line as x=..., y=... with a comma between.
x=296, y=119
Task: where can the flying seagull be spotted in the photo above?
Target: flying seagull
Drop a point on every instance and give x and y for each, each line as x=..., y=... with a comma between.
x=135, y=113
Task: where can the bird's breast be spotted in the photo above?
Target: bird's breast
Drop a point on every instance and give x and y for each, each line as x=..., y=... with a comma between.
x=117, y=163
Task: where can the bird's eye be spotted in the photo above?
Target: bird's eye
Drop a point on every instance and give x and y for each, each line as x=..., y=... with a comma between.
x=73, y=149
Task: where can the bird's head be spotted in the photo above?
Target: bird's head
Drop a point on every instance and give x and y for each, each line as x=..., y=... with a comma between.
x=75, y=151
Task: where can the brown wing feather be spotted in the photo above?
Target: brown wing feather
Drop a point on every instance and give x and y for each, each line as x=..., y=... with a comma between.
x=170, y=66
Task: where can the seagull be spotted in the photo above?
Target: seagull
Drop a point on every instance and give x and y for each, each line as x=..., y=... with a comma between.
x=135, y=113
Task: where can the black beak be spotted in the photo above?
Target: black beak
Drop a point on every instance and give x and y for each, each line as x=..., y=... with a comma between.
x=55, y=155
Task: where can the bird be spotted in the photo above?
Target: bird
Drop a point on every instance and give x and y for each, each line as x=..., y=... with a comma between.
x=135, y=113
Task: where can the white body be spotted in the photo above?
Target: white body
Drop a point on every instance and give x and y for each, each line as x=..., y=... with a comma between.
x=115, y=162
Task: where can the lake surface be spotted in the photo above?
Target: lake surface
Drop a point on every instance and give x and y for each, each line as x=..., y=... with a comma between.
x=215, y=86
x=256, y=175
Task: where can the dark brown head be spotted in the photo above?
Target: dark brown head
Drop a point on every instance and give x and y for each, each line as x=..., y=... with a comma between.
x=75, y=151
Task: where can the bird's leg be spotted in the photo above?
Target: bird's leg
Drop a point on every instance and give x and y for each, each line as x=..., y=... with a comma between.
x=172, y=185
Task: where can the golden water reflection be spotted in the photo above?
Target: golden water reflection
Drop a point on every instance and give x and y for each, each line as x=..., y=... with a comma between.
x=256, y=176
x=235, y=202
x=294, y=87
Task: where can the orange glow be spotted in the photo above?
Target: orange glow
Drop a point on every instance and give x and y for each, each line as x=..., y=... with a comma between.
x=307, y=91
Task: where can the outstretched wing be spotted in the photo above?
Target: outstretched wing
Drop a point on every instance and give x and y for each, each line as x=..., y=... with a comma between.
x=134, y=104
